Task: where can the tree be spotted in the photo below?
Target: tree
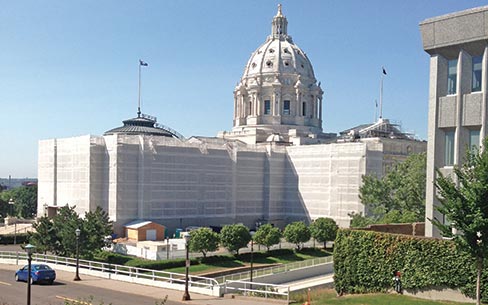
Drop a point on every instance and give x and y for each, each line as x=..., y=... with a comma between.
x=25, y=198
x=323, y=230
x=45, y=237
x=65, y=224
x=463, y=202
x=401, y=190
x=233, y=237
x=267, y=235
x=204, y=240
x=358, y=220
x=95, y=228
x=297, y=233
x=57, y=234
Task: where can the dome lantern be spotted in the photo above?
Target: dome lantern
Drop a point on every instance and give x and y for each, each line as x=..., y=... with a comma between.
x=279, y=25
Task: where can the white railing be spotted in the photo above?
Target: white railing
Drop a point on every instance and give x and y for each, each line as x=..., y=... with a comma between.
x=132, y=272
x=254, y=289
x=258, y=272
x=209, y=286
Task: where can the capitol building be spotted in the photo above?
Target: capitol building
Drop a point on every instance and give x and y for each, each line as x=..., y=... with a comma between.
x=275, y=166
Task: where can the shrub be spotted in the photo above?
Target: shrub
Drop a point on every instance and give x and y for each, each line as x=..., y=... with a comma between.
x=22, y=238
x=364, y=262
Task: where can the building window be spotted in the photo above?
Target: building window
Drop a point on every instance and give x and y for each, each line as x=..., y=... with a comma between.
x=267, y=107
x=304, y=109
x=474, y=139
x=249, y=108
x=286, y=107
x=449, y=148
x=476, y=81
x=451, y=76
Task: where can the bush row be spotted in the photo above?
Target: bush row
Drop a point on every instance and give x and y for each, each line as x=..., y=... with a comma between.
x=364, y=262
x=21, y=238
x=120, y=259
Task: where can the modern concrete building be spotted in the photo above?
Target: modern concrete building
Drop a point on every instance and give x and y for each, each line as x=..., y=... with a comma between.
x=457, y=44
x=275, y=166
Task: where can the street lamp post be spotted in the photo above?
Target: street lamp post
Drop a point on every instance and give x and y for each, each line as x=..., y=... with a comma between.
x=11, y=202
x=77, y=276
x=29, y=249
x=252, y=255
x=167, y=247
x=186, y=295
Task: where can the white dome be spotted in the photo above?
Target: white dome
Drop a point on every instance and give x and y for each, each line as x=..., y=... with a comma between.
x=279, y=56
x=278, y=91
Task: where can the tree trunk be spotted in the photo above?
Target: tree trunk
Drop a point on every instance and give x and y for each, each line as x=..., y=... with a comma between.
x=479, y=267
x=325, y=245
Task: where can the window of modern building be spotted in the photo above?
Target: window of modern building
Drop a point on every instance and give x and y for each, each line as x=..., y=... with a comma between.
x=476, y=81
x=474, y=139
x=449, y=148
x=451, y=76
x=286, y=107
x=304, y=109
x=267, y=107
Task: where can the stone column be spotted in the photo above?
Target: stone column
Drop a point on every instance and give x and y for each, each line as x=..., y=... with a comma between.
x=484, y=84
x=463, y=86
x=299, y=103
x=320, y=108
x=435, y=150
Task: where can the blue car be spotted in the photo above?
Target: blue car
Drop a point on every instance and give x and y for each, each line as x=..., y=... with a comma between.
x=39, y=273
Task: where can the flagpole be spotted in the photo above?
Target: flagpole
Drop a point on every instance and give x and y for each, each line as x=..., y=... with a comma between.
x=139, y=97
x=375, y=110
x=381, y=95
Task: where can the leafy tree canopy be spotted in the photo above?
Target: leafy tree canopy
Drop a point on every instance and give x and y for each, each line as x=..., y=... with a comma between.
x=324, y=229
x=267, y=235
x=57, y=234
x=399, y=196
x=463, y=201
x=233, y=237
x=204, y=240
x=297, y=233
x=25, y=202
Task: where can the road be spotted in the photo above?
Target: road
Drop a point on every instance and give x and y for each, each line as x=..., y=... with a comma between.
x=15, y=293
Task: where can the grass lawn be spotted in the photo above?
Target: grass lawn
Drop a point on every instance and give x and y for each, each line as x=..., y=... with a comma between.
x=259, y=260
x=329, y=296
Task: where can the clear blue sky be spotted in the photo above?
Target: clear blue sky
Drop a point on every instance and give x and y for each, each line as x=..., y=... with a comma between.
x=69, y=68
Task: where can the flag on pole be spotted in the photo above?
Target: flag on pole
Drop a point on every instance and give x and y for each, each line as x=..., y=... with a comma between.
x=384, y=71
x=142, y=63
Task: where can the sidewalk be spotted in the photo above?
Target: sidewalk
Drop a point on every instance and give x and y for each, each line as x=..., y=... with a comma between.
x=154, y=292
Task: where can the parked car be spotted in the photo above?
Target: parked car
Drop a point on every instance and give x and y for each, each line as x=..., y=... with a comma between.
x=39, y=273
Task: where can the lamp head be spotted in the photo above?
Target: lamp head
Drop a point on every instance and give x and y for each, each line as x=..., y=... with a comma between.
x=29, y=249
x=77, y=232
x=187, y=238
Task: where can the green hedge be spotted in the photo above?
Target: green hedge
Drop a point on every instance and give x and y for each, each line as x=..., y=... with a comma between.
x=22, y=238
x=160, y=265
x=364, y=262
x=112, y=258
